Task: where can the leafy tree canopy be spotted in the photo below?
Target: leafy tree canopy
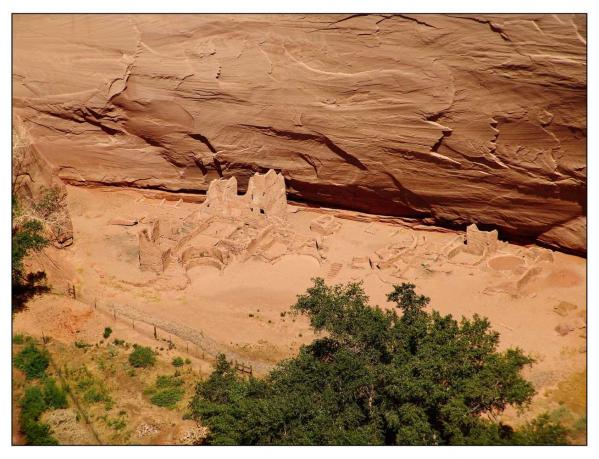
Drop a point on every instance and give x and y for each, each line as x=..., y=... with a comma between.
x=27, y=236
x=376, y=377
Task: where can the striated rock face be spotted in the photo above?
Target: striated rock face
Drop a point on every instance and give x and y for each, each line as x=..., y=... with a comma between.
x=454, y=118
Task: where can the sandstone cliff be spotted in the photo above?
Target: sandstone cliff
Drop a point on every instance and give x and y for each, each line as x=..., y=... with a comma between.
x=452, y=118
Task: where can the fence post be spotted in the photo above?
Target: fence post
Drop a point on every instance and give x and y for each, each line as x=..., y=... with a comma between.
x=95, y=303
x=133, y=323
x=155, y=334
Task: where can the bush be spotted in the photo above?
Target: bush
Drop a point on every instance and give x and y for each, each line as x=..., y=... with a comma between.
x=167, y=398
x=376, y=377
x=54, y=396
x=119, y=342
x=178, y=362
x=117, y=423
x=167, y=391
x=107, y=332
x=33, y=404
x=38, y=433
x=32, y=361
x=142, y=357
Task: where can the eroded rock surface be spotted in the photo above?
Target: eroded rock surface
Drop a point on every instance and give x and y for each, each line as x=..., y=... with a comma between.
x=454, y=118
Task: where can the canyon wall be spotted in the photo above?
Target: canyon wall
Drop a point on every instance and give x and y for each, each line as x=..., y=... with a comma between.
x=454, y=119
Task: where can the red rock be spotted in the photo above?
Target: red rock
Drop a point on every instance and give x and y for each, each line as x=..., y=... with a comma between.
x=455, y=118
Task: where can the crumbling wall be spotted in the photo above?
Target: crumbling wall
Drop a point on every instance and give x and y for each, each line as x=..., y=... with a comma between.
x=152, y=257
x=265, y=195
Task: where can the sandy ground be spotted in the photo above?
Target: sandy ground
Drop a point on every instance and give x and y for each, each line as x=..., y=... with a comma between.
x=241, y=310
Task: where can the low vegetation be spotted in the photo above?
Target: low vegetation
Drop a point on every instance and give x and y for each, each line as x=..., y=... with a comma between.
x=142, y=357
x=32, y=361
x=167, y=391
x=91, y=389
x=376, y=377
x=178, y=362
x=41, y=393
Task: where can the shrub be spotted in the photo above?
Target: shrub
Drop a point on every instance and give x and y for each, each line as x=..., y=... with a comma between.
x=166, y=392
x=32, y=361
x=38, y=433
x=107, y=332
x=178, y=362
x=54, y=396
x=167, y=398
x=142, y=357
x=117, y=423
x=33, y=404
x=119, y=342
x=187, y=361
x=18, y=339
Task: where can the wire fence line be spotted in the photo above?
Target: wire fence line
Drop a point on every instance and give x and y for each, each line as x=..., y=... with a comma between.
x=174, y=334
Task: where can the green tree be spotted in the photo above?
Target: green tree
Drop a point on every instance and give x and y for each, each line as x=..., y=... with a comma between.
x=377, y=377
x=27, y=236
